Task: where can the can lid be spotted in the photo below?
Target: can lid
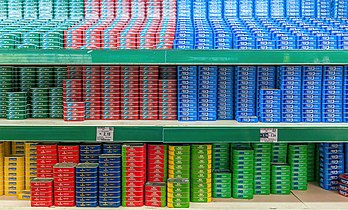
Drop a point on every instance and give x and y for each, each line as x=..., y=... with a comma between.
x=87, y=165
x=156, y=184
x=65, y=165
x=42, y=180
x=179, y=180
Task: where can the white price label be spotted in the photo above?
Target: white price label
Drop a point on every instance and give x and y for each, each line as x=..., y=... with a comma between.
x=268, y=134
x=105, y=134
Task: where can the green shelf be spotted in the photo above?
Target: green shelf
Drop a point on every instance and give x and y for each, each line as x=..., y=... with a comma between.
x=168, y=131
x=172, y=57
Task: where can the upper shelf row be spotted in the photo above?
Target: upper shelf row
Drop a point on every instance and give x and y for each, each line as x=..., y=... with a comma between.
x=173, y=57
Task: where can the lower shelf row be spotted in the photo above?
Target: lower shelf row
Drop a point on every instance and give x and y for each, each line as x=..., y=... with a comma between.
x=159, y=175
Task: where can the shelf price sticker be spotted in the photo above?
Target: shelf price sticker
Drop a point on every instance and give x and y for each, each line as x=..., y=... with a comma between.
x=105, y=134
x=269, y=135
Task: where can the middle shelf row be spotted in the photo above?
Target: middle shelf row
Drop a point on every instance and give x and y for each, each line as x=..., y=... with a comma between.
x=247, y=94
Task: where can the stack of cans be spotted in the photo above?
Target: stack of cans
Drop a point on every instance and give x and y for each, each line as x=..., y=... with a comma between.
x=201, y=173
x=64, y=184
x=148, y=92
x=346, y=157
x=30, y=163
x=91, y=92
x=68, y=154
x=178, y=193
x=2, y=157
x=245, y=93
x=269, y=106
x=207, y=93
x=14, y=175
x=222, y=183
x=345, y=96
x=41, y=192
x=221, y=156
x=331, y=164
x=130, y=92
x=262, y=168
x=56, y=102
x=187, y=93
x=114, y=149
x=39, y=98
x=17, y=148
x=47, y=157
x=156, y=194
x=133, y=174
x=157, y=162
x=343, y=185
x=179, y=161
x=74, y=72
x=90, y=153
x=6, y=80
x=280, y=179
x=46, y=9
x=16, y=106
x=168, y=104
x=110, y=180
x=266, y=78
x=44, y=77
x=311, y=93
x=332, y=94
x=61, y=9
x=225, y=93
x=311, y=161
x=243, y=173
x=87, y=185
x=27, y=78
x=297, y=159
x=60, y=74
x=110, y=99
x=74, y=108
x=279, y=153
x=290, y=85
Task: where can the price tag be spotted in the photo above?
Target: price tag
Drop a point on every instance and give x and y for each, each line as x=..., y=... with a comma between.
x=268, y=134
x=105, y=134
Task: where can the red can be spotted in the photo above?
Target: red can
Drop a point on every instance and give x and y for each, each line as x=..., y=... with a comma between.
x=64, y=203
x=41, y=204
x=134, y=204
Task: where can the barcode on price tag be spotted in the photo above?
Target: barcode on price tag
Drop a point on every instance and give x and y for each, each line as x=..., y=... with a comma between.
x=105, y=134
x=268, y=134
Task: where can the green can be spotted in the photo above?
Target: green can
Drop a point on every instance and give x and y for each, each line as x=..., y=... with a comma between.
x=242, y=176
x=16, y=103
x=243, y=194
x=201, y=199
x=244, y=185
x=40, y=103
x=40, y=115
x=178, y=204
x=16, y=117
x=262, y=178
x=222, y=185
x=280, y=192
x=262, y=191
x=39, y=90
x=243, y=167
x=11, y=113
x=237, y=171
x=261, y=145
x=237, y=159
x=16, y=99
x=222, y=195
